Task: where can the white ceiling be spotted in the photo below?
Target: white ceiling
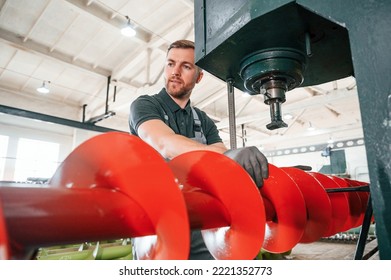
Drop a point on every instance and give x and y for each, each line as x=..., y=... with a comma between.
x=77, y=45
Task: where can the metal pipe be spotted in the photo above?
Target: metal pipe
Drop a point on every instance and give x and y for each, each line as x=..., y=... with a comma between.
x=349, y=189
x=84, y=113
x=53, y=119
x=107, y=94
x=231, y=113
x=364, y=231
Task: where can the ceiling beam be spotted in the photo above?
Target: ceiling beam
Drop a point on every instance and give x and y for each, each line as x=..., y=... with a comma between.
x=211, y=98
x=105, y=15
x=157, y=43
x=295, y=119
x=189, y=3
x=41, y=50
x=36, y=22
x=4, y=4
x=66, y=31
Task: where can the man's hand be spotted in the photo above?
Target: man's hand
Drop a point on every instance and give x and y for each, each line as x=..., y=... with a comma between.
x=253, y=161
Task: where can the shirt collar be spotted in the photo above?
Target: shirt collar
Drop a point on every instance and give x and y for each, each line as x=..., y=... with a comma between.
x=171, y=103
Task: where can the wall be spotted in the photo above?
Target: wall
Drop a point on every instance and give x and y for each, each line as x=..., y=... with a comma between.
x=356, y=161
x=17, y=127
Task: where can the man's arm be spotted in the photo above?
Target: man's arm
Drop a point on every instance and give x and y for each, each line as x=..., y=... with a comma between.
x=157, y=134
x=163, y=139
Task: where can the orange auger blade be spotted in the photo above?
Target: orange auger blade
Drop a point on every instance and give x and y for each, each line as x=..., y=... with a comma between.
x=4, y=248
x=125, y=163
x=339, y=204
x=103, y=190
x=213, y=181
x=364, y=196
x=286, y=228
x=354, y=202
x=317, y=203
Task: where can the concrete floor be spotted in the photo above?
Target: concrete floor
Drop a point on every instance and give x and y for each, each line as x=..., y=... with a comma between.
x=325, y=250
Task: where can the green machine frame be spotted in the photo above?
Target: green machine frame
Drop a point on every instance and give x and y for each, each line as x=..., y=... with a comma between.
x=272, y=46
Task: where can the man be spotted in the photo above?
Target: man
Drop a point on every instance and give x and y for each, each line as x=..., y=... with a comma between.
x=168, y=123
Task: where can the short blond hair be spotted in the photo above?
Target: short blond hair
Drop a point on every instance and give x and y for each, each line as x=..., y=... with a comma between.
x=183, y=44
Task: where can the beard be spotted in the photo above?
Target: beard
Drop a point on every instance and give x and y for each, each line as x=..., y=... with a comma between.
x=178, y=89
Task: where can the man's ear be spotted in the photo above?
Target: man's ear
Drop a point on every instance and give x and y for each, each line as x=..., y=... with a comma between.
x=200, y=75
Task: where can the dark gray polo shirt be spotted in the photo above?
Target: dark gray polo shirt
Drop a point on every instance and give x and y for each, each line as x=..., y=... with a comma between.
x=160, y=106
x=180, y=120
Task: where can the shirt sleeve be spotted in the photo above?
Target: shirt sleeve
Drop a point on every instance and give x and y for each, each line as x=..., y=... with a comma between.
x=141, y=110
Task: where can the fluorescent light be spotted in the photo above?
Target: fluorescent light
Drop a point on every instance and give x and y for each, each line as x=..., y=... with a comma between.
x=128, y=30
x=288, y=116
x=43, y=88
x=99, y=118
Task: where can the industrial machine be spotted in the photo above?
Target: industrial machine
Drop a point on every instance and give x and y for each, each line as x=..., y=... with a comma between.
x=270, y=47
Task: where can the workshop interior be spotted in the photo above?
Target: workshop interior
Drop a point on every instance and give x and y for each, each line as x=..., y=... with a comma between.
x=307, y=82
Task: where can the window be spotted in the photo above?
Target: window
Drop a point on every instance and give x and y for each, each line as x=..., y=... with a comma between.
x=35, y=159
x=3, y=154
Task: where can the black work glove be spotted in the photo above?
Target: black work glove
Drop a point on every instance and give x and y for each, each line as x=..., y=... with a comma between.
x=253, y=161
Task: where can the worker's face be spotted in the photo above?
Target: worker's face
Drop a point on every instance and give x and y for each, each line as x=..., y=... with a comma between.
x=181, y=74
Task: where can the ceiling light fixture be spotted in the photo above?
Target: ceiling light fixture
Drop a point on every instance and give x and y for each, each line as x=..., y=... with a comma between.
x=310, y=128
x=128, y=29
x=43, y=88
x=99, y=118
x=288, y=116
